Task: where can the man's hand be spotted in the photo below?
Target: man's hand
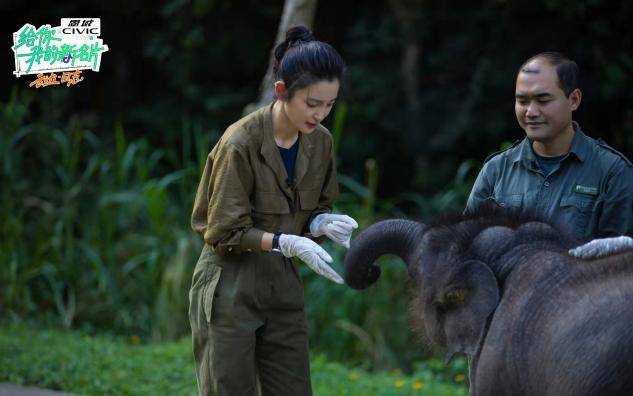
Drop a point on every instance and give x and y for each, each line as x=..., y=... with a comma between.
x=337, y=227
x=310, y=253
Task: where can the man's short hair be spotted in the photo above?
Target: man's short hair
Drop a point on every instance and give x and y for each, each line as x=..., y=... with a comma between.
x=566, y=69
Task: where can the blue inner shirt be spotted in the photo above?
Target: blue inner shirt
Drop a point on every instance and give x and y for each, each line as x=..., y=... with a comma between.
x=549, y=164
x=289, y=156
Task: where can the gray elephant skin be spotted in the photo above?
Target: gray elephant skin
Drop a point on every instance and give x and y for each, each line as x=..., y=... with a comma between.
x=502, y=289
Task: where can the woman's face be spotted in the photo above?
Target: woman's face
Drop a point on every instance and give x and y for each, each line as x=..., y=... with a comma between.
x=310, y=105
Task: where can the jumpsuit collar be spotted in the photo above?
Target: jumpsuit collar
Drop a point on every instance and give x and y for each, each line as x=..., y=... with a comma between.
x=272, y=157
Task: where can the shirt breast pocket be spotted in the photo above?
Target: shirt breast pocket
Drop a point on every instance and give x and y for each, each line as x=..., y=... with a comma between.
x=576, y=211
x=509, y=201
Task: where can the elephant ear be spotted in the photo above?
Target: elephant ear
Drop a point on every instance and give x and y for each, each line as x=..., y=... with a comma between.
x=469, y=300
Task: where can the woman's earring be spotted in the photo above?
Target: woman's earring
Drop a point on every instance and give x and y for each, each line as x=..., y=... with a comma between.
x=280, y=90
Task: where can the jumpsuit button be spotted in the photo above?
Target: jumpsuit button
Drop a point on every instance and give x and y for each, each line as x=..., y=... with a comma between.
x=546, y=184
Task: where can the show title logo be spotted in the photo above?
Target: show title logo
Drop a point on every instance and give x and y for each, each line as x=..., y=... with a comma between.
x=69, y=48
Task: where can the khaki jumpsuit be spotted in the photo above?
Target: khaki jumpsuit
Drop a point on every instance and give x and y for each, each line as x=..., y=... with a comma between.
x=246, y=305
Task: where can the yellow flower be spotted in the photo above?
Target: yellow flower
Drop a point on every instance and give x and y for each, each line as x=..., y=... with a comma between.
x=353, y=377
x=396, y=372
x=398, y=384
x=417, y=385
x=460, y=377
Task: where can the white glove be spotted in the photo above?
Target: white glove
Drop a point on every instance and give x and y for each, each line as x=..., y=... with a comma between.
x=602, y=247
x=310, y=253
x=338, y=228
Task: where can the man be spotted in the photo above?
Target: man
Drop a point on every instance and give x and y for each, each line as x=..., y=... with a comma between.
x=557, y=171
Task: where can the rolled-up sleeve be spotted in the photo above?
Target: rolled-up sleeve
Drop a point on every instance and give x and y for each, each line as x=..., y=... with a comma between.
x=222, y=207
x=616, y=217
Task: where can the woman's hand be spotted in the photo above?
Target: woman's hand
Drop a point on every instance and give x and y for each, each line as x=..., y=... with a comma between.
x=310, y=253
x=337, y=227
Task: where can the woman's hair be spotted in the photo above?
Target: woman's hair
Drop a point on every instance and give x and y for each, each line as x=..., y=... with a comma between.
x=300, y=60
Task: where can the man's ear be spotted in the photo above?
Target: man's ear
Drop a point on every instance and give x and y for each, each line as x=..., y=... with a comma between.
x=575, y=97
x=280, y=90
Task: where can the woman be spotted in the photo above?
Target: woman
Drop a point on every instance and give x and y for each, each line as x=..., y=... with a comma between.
x=268, y=183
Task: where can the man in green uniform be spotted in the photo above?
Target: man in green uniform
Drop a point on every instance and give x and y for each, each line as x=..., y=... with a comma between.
x=557, y=171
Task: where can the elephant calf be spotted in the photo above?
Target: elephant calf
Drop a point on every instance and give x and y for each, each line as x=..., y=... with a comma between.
x=504, y=290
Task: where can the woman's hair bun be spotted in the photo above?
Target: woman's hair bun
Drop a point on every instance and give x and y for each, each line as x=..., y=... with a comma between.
x=294, y=36
x=301, y=60
x=298, y=34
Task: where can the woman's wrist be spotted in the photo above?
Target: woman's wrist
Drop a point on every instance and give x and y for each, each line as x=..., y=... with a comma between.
x=276, y=247
x=267, y=241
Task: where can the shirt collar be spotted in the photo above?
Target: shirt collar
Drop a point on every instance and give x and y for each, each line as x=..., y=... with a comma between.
x=579, y=147
x=524, y=152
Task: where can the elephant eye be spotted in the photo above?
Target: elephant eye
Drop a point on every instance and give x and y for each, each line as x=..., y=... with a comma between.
x=455, y=296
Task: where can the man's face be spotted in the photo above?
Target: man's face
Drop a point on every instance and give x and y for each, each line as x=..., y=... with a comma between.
x=541, y=107
x=310, y=105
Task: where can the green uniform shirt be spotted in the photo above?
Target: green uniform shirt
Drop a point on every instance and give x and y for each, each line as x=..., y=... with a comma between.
x=590, y=194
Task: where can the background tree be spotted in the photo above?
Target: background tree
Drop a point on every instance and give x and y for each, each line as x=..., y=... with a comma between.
x=296, y=12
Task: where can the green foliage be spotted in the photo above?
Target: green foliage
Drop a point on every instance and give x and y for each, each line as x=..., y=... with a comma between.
x=105, y=365
x=96, y=234
x=450, y=198
x=88, y=233
x=368, y=328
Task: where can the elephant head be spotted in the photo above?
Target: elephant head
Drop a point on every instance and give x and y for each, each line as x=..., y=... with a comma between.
x=454, y=291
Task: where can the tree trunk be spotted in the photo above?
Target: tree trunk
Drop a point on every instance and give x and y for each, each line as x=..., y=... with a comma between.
x=296, y=12
x=408, y=13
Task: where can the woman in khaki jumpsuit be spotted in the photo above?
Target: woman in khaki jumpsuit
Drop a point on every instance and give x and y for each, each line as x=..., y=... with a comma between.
x=268, y=185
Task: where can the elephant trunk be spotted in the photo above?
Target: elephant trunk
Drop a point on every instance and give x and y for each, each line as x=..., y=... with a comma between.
x=397, y=237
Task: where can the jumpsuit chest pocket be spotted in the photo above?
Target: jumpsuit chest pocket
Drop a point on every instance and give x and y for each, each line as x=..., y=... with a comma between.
x=309, y=199
x=273, y=203
x=269, y=210
x=576, y=212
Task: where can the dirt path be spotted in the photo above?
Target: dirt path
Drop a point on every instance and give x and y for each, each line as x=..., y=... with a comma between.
x=15, y=390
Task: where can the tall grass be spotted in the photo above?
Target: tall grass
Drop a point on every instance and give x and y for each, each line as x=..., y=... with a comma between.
x=94, y=233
